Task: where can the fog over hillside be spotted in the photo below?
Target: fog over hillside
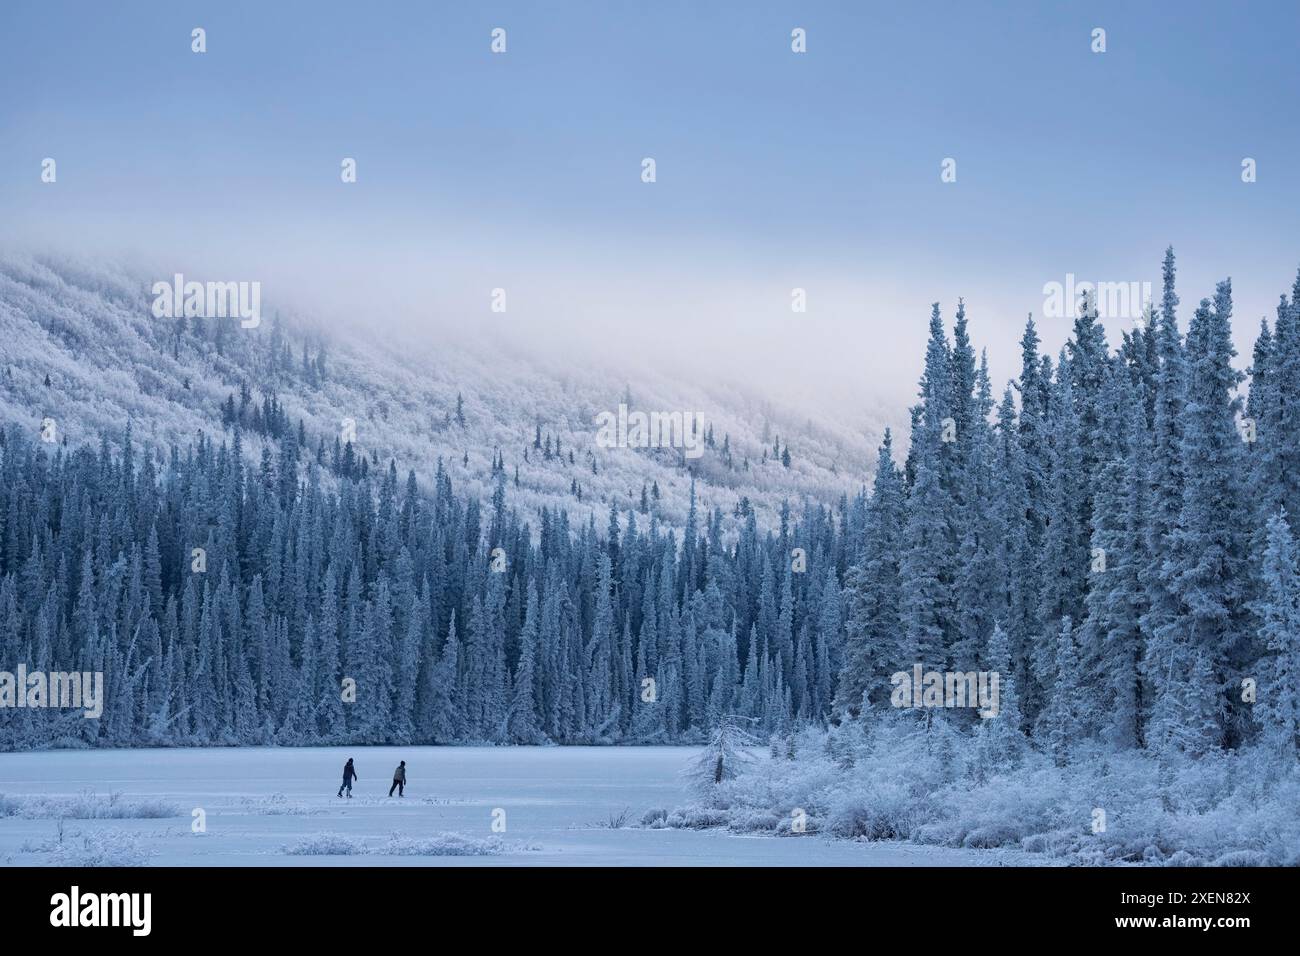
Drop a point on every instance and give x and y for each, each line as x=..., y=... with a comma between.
x=89, y=328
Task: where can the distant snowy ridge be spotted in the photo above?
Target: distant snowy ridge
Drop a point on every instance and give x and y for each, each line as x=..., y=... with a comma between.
x=90, y=331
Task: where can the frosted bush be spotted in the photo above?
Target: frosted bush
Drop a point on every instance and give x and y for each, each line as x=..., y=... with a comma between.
x=1243, y=858
x=100, y=848
x=439, y=844
x=87, y=806
x=1058, y=843
x=882, y=812
x=698, y=818
x=785, y=827
x=654, y=817
x=325, y=844
x=903, y=779
x=442, y=844
x=750, y=821
x=992, y=835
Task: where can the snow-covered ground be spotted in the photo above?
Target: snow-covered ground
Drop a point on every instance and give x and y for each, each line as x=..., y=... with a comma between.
x=558, y=803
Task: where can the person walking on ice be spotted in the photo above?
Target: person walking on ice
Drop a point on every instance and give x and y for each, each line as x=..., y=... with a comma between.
x=399, y=780
x=349, y=774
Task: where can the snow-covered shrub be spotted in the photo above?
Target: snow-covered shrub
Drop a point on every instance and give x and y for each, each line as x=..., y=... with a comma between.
x=786, y=827
x=751, y=821
x=325, y=844
x=698, y=818
x=881, y=812
x=443, y=844
x=100, y=848
x=439, y=844
x=992, y=835
x=654, y=817
x=930, y=781
x=1243, y=858
x=617, y=819
x=87, y=806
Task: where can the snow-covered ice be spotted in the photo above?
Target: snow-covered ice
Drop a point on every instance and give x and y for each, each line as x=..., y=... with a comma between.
x=558, y=804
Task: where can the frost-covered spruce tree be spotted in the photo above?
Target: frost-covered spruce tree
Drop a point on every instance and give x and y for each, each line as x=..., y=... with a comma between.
x=1275, y=409
x=1277, y=709
x=979, y=575
x=1106, y=534
x=1087, y=365
x=871, y=592
x=551, y=683
x=694, y=667
x=1015, y=604
x=374, y=704
x=726, y=755
x=1060, y=726
x=1164, y=484
x=1206, y=569
x=1065, y=557
x=1137, y=352
x=925, y=568
x=525, y=728
x=1261, y=359
x=963, y=399
x=781, y=638
x=407, y=672
x=1273, y=412
x=924, y=607
x=648, y=719
x=1189, y=723
x=301, y=722
x=1032, y=429
x=328, y=685
x=443, y=717
x=1124, y=647
x=722, y=692
x=601, y=654
x=826, y=654
x=1109, y=637
x=964, y=444
x=1001, y=740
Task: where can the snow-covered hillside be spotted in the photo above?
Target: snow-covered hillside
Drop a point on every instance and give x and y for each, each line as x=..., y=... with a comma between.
x=80, y=346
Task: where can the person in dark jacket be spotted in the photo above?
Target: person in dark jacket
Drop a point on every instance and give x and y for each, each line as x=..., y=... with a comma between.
x=349, y=774
x=399, y=780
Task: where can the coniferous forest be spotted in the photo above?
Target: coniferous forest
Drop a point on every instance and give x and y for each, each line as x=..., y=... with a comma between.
x=1112, y=532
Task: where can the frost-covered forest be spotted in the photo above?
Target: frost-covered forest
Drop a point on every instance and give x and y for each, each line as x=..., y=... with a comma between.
x=553, y=637
x=1113, y=535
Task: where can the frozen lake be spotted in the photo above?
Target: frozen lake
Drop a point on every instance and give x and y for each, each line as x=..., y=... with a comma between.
x=557, y=804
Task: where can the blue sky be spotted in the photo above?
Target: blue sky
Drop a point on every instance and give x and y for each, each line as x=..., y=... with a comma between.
x=775, y=170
